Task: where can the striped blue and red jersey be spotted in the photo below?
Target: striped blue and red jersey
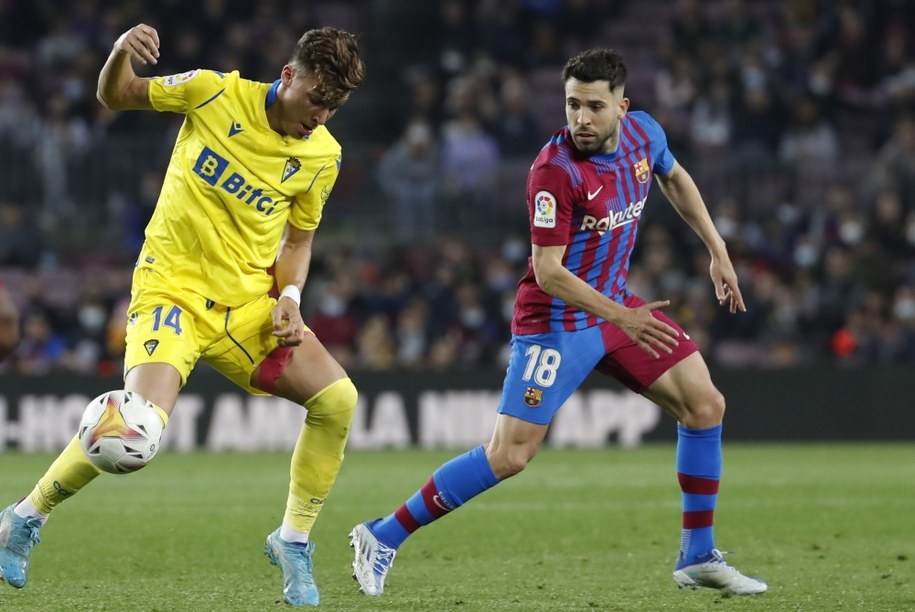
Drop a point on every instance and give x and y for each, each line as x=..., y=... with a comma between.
x=592, y=205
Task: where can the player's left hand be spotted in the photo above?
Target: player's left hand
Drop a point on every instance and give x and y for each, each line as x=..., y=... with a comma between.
x=288, y=325
x=726, y=288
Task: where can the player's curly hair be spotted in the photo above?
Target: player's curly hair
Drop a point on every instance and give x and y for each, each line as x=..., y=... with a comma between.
x=596, y=65
x=331, y=57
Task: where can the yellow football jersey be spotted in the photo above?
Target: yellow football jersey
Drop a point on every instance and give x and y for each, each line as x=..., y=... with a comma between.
x=231, y=185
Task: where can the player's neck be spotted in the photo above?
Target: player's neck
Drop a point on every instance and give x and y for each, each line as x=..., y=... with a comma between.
x=611, y=145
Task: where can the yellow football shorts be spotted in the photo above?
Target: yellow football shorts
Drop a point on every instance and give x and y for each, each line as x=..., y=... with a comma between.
x=178, y=327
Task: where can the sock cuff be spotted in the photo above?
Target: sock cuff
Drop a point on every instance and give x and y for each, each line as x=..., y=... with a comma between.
x=484, y=470
x=710, y=432
x=162, y=415
x=339, y=396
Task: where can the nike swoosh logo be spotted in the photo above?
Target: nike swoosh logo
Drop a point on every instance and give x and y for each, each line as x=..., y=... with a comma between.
x=234, y=129
x=591, y=196
x=441, y=504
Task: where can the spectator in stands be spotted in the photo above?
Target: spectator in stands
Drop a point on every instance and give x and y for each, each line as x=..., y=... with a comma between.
x=895, y=165
x=691, y=30
x=809, y=138
x=411, y=339
x=409, y=174
x=470, y=157
x=40, y=349
x=9, y=322
x=21, y=243
x=514, y=125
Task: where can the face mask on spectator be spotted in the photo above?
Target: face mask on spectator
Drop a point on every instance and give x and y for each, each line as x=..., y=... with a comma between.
x=805, y=255
x=904, y=309
x=91, y=318
x=332, y=306
x=472, y=318
x=850, y=232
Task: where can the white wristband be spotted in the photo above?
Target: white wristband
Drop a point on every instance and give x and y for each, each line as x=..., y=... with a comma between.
x=293, y=293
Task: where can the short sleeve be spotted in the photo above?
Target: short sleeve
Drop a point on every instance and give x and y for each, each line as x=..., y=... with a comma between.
x=308, y=207
x=550, y=203
x=185, y=92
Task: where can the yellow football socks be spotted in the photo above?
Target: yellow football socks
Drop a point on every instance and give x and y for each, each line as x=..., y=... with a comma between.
x=69, y=473
x=319, y=452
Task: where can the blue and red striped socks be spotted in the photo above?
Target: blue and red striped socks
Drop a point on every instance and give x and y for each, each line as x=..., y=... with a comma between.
x=453, y=484
x=699, y=470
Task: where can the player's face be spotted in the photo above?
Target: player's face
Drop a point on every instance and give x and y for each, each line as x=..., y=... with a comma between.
x=594, y=114
x=302, y=106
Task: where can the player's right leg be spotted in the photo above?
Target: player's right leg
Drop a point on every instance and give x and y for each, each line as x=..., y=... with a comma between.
x=533, y=391
x=161, y=350
x=68, y=474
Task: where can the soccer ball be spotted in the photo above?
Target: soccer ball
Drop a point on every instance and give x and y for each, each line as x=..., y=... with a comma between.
x=120, y=431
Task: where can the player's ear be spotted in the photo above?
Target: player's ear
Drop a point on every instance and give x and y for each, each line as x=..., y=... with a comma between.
x=286, y=75
x=624, y=106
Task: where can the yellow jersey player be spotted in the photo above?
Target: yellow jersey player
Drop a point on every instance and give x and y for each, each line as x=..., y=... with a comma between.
x=252, y=167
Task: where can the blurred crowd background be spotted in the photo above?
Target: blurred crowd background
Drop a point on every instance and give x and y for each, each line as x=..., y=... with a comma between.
x=795, y=117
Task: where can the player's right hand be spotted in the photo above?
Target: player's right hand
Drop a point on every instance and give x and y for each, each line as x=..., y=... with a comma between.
x=141, y=42
x=649, y=333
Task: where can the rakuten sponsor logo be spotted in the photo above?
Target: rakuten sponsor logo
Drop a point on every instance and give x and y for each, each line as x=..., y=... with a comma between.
x=614, y=220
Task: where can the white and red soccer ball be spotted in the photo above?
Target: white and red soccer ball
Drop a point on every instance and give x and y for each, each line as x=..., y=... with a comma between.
x=120, y=431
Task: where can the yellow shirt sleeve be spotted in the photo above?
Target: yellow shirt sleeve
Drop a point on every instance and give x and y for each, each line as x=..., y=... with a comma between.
x=185, y=92
x=308, y=208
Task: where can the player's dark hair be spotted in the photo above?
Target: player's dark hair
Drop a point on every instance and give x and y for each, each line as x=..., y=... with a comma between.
x=596, y=65
x=331, y=57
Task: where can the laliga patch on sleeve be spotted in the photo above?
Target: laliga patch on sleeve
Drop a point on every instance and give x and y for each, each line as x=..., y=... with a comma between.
x=544, y=209
x=179, y=79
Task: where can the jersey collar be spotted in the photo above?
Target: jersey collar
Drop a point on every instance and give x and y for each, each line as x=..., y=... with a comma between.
x=271, y=94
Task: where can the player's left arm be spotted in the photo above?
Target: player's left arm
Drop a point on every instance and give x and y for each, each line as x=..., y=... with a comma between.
x=291, y=270
x=683, y=193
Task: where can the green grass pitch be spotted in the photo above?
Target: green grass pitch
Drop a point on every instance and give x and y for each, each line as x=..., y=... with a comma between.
x=830, y=527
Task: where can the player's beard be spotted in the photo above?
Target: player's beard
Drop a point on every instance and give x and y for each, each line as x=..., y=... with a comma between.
x=596, y=145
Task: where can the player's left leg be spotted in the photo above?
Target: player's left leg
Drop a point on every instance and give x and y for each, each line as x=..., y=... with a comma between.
x=514, y=443
x=686, y=391
x=543, y=371
x=310, y=376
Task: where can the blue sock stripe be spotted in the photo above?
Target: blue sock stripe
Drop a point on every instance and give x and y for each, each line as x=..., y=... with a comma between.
x=699, y=452
x=417, y=507
x=389, y=531
x=464, y=477
x=693, y=502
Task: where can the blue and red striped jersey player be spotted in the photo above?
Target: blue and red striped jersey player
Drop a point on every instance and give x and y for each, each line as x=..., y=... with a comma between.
x=574, y=314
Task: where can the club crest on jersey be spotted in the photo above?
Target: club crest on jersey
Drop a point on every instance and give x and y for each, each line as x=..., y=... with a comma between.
x=150, y=346
x=544, y=209
x=533, y=397
x=642, y=172
x=293, y=165
x=179, y=79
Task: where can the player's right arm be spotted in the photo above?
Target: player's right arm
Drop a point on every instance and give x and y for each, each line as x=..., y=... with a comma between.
x=644, y=329
x=119, y=88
